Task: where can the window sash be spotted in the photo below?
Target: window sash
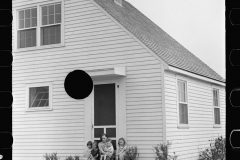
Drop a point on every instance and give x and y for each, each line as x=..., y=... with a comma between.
x=182, y=93
x=183, y=113
x=216, y=115
x=215, y=97
x=49, y=17
x=30, y=21
x=51, y=35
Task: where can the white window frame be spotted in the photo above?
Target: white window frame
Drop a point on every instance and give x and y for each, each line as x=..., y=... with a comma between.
x=22, y=29
x=38, y=27
x=218, y=90
x=180, y=125
x=28, y=86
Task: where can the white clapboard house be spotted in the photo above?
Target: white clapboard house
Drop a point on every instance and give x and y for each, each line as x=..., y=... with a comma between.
x=148, y=88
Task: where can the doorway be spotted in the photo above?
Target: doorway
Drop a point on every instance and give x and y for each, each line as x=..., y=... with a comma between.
x=104, y=111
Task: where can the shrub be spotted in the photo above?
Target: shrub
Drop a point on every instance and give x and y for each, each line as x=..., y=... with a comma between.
x=72, y=158
x=131, y=153
x=161, y=151
x=52, y=156
x=216, y=151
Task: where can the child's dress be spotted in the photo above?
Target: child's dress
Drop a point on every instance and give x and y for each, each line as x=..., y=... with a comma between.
x=121, y=152
x=95, y=154
x=87, y=154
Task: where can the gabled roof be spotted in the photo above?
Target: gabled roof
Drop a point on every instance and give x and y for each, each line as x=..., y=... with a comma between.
x=167, y=48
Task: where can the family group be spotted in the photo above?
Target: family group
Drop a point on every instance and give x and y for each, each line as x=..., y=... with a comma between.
x=104, y=150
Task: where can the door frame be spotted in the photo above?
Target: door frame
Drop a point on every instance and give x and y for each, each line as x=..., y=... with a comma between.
x=120, y=109
x=116, y=106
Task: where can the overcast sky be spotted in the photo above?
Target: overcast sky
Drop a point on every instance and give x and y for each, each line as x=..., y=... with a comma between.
x=199, y=25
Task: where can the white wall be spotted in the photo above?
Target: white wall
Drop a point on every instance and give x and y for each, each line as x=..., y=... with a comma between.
x=92, y=41
x=187, y=142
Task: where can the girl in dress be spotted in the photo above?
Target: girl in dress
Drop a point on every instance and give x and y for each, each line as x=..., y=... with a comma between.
x=87, y=154
x=121, y=149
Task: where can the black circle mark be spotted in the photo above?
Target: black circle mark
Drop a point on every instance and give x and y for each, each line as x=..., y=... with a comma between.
x=78, y=84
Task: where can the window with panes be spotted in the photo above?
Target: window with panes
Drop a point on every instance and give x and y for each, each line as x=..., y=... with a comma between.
x=49, y=28
x=27, y=28
x=182, y=102
x=51, y=24
x=216, y=106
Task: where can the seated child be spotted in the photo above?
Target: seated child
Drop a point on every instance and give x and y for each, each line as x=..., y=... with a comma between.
x=87, y=154
x=121, y=149
x=95, y=151
x=108, y=149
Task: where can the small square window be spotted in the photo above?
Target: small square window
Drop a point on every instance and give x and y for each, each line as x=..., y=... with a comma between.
x=39, y=97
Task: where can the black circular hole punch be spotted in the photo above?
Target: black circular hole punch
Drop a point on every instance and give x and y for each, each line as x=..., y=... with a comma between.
x=234, y=57
x=235, y=139
x=78, y=84
x=235, y=97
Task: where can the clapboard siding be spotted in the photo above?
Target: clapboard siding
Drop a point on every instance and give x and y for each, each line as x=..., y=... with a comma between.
x=188, y=142
x=92, y=41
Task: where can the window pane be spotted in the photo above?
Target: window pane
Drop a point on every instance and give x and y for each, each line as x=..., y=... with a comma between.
x=21, y=24
x=183, y=114
x=52, y=39
x=39, y=95
x=45, y=96
x=52, y=30
x=34, y=22
x=44, y=10
x=45, y=31
x=27, y=13
x=111, y=132
x=27, y=23
x=28, y=33
x=34, y=37
x=58, y=38
x=58, y=8
x=217, y=115
x=182, y=91
x=22, y=35
x=34, y=12
x=44, y=20
x=22, y=43
x=49, y=35
x=28, y=42
x=36, y=103
x=98, y=132
x=58, y=18
x=21, y=14
x=51, y=19
x=45, y=40
x=42, y=103
x=51, y=9
x=36, y=94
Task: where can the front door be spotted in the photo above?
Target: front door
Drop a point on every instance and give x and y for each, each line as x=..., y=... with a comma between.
x=104, y=111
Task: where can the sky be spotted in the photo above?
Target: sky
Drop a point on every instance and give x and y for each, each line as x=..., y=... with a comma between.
x=199, y=25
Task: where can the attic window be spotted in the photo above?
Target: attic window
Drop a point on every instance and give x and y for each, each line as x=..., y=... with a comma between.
x=118, y=2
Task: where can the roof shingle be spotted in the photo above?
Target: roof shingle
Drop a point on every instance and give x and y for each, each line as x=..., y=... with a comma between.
x=166, y=47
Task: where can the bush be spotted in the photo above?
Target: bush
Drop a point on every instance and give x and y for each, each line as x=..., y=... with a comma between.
x=52, y=156
x=131, y=153
x=72, y=158
x=216, y=151
x=161, y=151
